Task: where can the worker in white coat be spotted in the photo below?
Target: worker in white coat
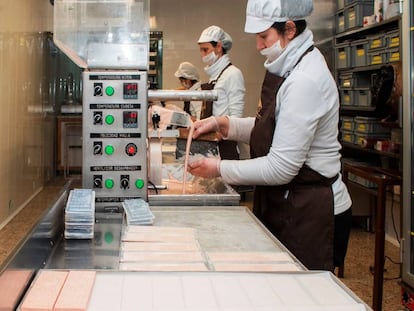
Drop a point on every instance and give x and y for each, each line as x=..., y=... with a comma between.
x=189, y=78
x=225, y=78
x=295, y=160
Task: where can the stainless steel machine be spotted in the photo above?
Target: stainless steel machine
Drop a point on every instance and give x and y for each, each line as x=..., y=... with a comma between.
x=110, y=41
x=114, y=135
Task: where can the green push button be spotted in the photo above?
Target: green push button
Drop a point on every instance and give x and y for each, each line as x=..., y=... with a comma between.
x=109, y=90
x=109, y=237
x=139, y=183
x=109, y=183
x=109, y=150
x=109, y=119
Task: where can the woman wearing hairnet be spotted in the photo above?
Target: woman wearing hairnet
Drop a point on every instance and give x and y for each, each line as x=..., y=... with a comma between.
x=295, y=160
x=227, y=79
x=189, y=78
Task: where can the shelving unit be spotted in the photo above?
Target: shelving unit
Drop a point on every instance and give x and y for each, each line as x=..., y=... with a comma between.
x=367, y=71
x=155, y=60
x=360, y=55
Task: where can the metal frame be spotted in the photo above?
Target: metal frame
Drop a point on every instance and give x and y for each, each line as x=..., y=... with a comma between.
x=408, y=151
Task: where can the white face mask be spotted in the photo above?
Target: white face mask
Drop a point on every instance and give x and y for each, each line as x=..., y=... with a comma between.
x=186, y=84
x=210, y=58
x=273, y=52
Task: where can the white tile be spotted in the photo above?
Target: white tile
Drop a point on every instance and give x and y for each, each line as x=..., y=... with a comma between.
x=107, y=292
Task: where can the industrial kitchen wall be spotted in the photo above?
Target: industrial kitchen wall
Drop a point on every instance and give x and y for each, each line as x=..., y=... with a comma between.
x=26, y=130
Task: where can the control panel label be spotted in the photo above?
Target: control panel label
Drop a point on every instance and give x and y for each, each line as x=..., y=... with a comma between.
x=114, y=168
x=115, y=106
x=115, y=135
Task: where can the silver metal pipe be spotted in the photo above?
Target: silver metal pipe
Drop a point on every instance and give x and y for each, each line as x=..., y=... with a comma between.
x=165, y=95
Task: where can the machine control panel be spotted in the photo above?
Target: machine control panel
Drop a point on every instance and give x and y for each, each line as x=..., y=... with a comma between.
x=115, y=135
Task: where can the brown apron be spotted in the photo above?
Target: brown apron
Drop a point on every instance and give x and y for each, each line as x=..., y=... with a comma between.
x=227, y=148
x=299, y=214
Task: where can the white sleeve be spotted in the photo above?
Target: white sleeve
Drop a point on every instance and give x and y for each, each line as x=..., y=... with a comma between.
x=296, y=124
x=240, y=129
x=195, y=109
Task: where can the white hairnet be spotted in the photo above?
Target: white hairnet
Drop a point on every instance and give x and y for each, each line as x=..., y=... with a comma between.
x=216, y=34
x=188, y=71
x=261, y=14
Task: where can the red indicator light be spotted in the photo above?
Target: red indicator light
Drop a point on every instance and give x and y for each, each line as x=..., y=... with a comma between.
x=131, y=149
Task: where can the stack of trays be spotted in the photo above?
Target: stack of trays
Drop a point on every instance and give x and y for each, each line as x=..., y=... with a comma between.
x=368, y=131
x=137, y=212
x=80, y=214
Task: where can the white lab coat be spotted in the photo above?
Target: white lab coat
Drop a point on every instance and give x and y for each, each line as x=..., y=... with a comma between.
x=230, y=88
x=195, y=105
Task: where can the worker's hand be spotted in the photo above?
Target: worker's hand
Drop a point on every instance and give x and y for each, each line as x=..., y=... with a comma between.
x=204, y=126
x=205, y=167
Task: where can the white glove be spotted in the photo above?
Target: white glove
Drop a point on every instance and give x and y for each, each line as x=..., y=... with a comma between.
x=203, y=126
x=206, y=167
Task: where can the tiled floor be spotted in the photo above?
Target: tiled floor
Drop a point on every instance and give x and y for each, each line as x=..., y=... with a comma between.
x=357, y=267
x=359, y=262
x=358, y=277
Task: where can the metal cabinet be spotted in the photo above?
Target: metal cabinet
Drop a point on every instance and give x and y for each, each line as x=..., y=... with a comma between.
x=69, y=144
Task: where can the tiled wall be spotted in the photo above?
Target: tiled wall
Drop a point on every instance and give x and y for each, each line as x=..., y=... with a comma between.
x=26, y=133
x=182, y=22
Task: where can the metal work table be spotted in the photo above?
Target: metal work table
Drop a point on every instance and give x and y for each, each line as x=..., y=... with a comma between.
x=219, y=228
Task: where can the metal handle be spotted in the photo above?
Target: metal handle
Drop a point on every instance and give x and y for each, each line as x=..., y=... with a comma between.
x=185, y=95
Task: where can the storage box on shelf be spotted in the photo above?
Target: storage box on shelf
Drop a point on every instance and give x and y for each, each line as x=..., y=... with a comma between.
x=377, y=57
x=346, y=96
x=392, y=55
x=347, y=123
x=354, y=80
x=343, y=55
x=359, y=53
x=370, y=126
x=376, y=41
x=393, y=38
x=340, y=21
x=350, y=14
x=347, y=129
x=355, y=12
x=362, y=97
x=347, y=137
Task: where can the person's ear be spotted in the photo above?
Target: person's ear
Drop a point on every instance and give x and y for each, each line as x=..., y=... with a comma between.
x=290, y=29
x=219, y=48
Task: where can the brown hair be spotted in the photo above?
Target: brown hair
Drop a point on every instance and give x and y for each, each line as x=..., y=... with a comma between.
x=281, y=27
